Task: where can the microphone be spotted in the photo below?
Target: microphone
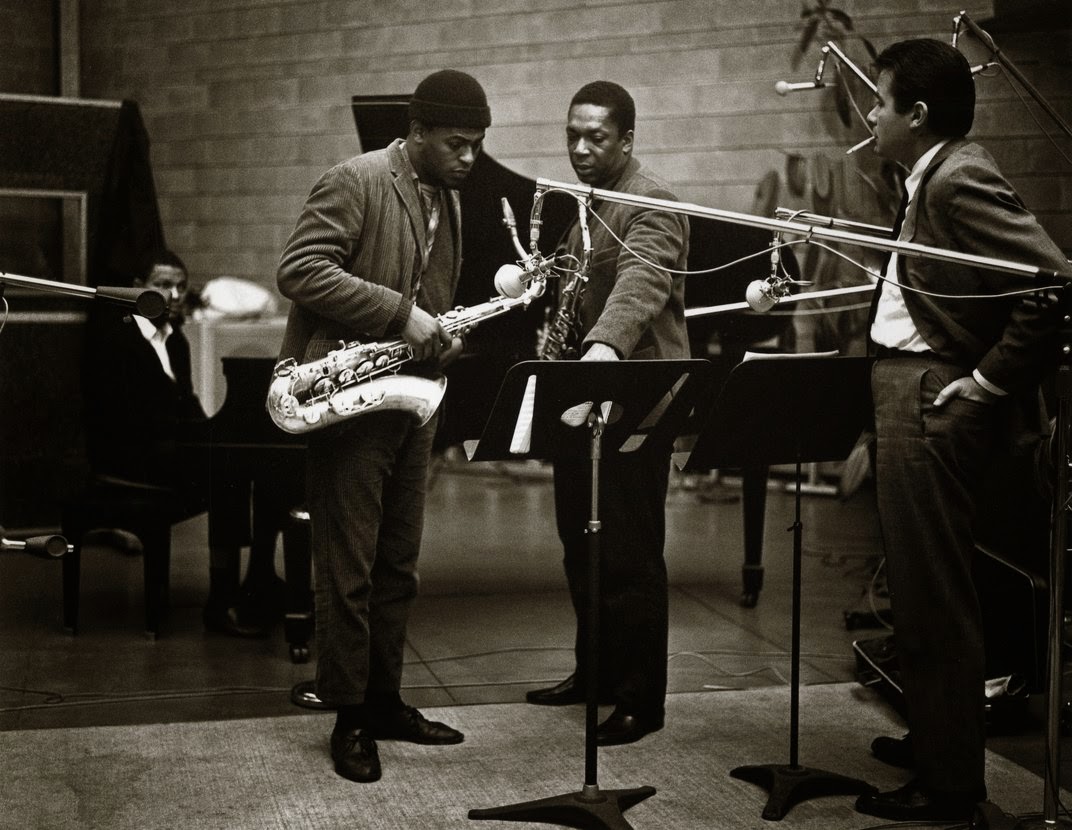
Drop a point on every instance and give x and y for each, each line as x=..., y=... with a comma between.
x=763, y=295
x=784, y=87
x=148, y=302
x=509, y=280
x=45, y=547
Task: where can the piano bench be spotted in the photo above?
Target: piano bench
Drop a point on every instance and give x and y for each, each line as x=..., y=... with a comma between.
x=298, y=569
x=146, y=511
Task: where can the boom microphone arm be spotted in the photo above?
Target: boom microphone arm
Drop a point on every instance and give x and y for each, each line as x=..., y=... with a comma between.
x=1044, y=276
x=145, y=302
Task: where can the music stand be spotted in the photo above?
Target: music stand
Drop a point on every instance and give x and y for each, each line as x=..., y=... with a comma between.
x=788, y=409
x=612, y=406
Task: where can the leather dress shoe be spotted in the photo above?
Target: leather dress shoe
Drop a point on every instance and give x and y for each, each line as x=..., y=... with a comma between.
x=626, y=727
x=355, y=755
x=912, y=803
x=568, y=692
x=897, y=752
x=228, y=620
x=405, y=723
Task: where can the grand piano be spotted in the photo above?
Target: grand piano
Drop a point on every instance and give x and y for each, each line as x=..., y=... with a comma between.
x=246, y=444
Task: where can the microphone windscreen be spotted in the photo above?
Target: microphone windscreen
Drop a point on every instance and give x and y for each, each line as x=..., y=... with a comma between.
x=782, y=87
x=759, y=297
x=508, y=281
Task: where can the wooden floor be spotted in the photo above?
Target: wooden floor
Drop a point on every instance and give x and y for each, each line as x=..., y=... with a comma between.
x=493, y=619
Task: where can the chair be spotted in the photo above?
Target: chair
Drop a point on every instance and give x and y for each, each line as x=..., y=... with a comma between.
x=147, y=511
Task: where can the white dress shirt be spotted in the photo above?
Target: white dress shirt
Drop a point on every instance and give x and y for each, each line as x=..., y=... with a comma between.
x=893, y=326
x=157, y=337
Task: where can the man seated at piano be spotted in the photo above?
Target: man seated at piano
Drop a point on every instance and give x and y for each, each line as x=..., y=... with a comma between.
x=139, y=396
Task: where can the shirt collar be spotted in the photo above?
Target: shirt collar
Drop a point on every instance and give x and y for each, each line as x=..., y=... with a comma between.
x=150, y=331
x=916, y=175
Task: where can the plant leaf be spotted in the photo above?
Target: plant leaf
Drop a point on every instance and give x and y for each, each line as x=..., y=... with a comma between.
x=841, y=102
x=841, y=18
x=809, y=33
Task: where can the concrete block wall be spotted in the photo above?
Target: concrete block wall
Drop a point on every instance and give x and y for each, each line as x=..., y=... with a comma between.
x=247, y=101
x=28, y=59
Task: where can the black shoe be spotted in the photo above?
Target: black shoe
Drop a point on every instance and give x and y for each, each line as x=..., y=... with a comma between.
x=355, y=755
x=568, y=692
x=405, y=723
x=624, y=727
x=228, y=620
x=897, y=752
x=911, y=803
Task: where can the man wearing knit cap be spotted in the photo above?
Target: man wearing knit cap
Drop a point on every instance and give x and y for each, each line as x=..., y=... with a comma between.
x=376, y=255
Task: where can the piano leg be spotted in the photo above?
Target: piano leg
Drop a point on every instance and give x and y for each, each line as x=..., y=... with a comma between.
x=298, y=566
x=753, y=506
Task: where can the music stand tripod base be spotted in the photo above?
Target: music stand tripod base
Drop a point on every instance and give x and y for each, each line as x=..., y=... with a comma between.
x=789, y=785
x=589, y=808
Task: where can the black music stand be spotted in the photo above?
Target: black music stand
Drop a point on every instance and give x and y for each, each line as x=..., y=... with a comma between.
x=785, y=409
x=549, y=390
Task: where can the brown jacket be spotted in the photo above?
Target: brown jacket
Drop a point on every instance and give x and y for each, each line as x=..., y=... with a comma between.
x=351, y=264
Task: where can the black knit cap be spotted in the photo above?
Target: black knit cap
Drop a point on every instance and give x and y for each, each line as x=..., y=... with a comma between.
x=450, y=98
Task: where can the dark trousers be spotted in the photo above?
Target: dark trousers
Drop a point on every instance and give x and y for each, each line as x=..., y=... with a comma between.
x=633, y=624
x=366, y=485
x=930, y=463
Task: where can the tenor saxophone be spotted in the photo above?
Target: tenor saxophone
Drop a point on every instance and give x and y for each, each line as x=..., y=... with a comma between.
x=359, y=378
x=557, y=339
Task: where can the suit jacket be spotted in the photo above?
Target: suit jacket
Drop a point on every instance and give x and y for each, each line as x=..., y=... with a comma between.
x=133, y=409
x=965, y=204
x=627, y=304
x=351, y=265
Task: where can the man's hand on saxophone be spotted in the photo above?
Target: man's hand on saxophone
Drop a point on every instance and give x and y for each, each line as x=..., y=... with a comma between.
x=426, y=336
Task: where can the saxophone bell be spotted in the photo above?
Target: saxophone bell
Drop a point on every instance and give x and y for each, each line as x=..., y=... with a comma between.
x=358, y=378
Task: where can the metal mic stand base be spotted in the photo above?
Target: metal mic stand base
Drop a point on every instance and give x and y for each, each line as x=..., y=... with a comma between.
x=590, y=808
x=789, y=785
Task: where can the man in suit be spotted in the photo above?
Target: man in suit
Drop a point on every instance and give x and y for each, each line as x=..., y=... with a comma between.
x=376, y=254
x=956, y=383
x=632, y=309
x=139, y=396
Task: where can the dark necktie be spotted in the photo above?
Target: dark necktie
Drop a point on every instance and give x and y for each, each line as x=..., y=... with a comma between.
x=898, y=221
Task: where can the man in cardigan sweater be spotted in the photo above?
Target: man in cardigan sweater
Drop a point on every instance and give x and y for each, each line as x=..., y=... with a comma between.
x=956, y=382
x=632, y=308
x=376, y=254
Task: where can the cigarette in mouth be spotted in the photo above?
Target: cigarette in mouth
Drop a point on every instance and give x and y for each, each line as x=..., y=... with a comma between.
x=861, y=145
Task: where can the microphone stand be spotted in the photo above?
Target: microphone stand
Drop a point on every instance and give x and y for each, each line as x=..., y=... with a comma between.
x=145, y=302
x=1046, y=277
x=1051, y=793
x=1009, y=67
